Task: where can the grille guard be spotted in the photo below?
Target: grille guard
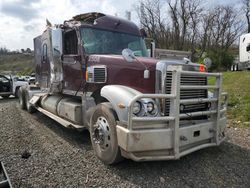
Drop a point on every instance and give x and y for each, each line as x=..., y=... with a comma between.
x=216, y=112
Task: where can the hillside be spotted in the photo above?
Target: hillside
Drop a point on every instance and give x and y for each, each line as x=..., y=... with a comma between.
x=21, y=64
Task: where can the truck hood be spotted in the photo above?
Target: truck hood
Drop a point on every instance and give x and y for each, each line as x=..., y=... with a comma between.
x=121, y=72
x=131, y=74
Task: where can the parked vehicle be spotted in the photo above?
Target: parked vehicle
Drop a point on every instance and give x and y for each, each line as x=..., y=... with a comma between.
x=243, y=62
x=32, y=79
x=9, y=85
x=94, y=73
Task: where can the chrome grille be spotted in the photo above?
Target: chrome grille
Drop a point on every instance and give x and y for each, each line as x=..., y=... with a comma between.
x=100, y=74
x=187, y=93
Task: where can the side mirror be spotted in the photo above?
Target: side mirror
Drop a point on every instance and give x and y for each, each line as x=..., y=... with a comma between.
x=128, y=55
x=208, y=62
x=143, y=33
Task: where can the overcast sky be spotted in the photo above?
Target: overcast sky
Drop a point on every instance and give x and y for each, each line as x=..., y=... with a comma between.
x=22, y=20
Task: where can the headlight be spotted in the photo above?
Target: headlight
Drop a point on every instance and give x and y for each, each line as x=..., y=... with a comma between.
x=137, y=108
x=150, y=107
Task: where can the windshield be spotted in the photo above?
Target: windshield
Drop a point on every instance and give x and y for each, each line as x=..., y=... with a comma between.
x=97, y=41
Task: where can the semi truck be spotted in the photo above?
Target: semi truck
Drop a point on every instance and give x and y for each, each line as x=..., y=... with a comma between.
x=93, y=72
x=243, y=61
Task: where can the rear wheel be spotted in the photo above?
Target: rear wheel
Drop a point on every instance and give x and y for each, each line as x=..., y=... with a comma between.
x=17, y=92
x=103, y=134
x=29, y=107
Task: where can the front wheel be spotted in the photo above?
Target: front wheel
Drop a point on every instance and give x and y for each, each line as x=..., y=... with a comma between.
x=103, y=134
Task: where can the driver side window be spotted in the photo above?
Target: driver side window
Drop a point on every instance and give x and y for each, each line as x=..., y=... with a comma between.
x=70, y=43
x=90, y=40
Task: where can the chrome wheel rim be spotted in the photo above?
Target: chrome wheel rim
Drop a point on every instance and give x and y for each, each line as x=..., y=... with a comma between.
x=101, y=133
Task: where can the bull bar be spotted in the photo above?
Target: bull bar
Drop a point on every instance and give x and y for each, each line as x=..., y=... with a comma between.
x=150, y=143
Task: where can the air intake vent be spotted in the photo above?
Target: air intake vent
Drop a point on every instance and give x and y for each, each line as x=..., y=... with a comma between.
x=97, y=74
x=100, y=74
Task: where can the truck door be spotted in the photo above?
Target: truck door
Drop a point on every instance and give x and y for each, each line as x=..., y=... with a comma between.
x=72, y=64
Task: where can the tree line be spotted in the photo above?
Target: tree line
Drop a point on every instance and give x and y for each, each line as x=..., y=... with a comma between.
x=197, y=26
x=5, y=51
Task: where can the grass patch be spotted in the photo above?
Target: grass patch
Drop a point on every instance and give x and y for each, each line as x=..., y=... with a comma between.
x=21, y=64
x=237, y=85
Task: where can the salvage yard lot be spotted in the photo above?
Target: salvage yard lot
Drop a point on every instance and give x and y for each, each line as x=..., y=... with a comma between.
x=65, y=158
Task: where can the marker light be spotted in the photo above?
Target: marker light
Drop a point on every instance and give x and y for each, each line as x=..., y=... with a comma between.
x=202, y=68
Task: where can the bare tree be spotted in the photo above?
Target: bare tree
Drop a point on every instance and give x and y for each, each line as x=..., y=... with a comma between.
x=195, y=11
x=185, y=17
x=207, y=21
x=226, y=27
x=246, y=9
x=151, y=19
x=189, y=25
x=175, y=22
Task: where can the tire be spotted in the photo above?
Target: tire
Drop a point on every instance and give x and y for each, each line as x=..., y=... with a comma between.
x=21, y=98
x=103, y=134
x=29, y=107
x=17, y=92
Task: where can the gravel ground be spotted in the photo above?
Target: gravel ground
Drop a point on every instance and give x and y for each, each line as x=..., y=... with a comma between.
x=64, y=158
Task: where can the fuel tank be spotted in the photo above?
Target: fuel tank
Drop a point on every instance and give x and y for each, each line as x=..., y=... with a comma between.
x=64, y=107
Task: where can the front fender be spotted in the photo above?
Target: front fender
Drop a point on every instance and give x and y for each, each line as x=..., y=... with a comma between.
x=118, y=94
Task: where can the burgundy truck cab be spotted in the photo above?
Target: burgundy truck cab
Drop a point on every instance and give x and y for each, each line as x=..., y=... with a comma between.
x=134, y=106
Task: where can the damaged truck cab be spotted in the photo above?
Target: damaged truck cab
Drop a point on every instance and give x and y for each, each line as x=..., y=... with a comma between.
x=93, y=72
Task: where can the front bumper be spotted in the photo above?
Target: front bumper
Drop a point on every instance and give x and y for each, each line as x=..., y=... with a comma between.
x=159, y=144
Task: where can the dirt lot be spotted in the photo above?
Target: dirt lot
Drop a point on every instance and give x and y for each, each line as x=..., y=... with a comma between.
x=64, y=158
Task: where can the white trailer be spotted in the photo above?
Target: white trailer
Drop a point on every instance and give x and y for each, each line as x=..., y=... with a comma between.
x=244, y=54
